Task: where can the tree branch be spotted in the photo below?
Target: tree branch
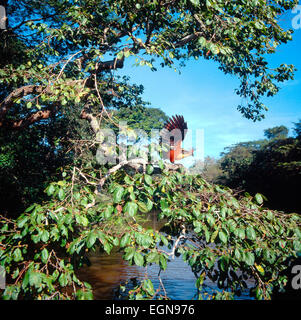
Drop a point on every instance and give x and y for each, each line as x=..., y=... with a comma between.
x=187, y=39
x=24, y=91
x=134, y=163
x=25, y=122
x=87, y=115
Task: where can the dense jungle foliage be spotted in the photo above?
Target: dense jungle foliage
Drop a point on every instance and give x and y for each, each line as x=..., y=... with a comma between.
x=271, y=166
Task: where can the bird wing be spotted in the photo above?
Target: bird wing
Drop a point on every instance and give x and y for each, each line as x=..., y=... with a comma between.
x=175, y=122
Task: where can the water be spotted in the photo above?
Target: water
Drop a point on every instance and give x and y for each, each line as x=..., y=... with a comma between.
x=107, y=272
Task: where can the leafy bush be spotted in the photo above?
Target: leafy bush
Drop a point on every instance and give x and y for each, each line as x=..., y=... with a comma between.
x=222, y=238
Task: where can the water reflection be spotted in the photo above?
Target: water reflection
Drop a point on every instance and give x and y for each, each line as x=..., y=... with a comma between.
x=107, y=272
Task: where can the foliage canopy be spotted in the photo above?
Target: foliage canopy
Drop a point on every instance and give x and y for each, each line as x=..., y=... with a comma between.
x=65, y=48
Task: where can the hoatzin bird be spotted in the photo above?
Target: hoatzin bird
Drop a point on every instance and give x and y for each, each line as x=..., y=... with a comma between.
x=174, y=138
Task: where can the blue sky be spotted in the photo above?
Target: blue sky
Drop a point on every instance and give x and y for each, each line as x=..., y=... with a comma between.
x=206, y=97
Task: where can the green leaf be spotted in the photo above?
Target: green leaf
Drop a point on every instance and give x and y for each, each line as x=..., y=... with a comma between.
x=149, y=169
x=258, y=293
x=148, y=179
x=82, y=220
x=125, y=240
x=297, y=245
x=250, y=232
x=196, y=213
x=45, y=236
x=161, y=164
x=202, y=41
x=127, y=53
x=200, y=280
x=84, y=295
x=76, y=195
x=118, y=193
x=108, y=212
x=224, y=262
x=128, y=180
x=152, y=257
x=17, y=255
x=35, y=238
x=116, y=242
x=258, y=25
x=195, y=2
x=164, y=204
x=129, y=253
x=223, y=236
x=143, y=239
x=30, y=208
x=131, y=208
x=240, y=233
x=44, y=255
x=249, y=258
x=120, y=55
x=149, y=204
x=210, y=219
x=215, y=49
x=35, y=279
x=11, y=292
x=214, y=235
x=142, y=206
x=148, y=287
x=132, y=196
x=50, y=190
x=61, y=194
x=21, y=222
x=91, y=239
x=63, y=280
x=164, y=240
x=162, y=262
x=237, y=254
x=259, y=198
x=107, y=247
x=232, y=225
x=26, y=279
x=139, y=259
x=207, y=234
x=223, y=212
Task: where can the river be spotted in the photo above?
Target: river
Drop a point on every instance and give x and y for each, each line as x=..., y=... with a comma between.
x=107, y=272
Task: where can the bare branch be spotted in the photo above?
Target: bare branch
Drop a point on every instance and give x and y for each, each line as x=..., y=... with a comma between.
x=25, y=122
x=187, y=39
x=135, y=163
